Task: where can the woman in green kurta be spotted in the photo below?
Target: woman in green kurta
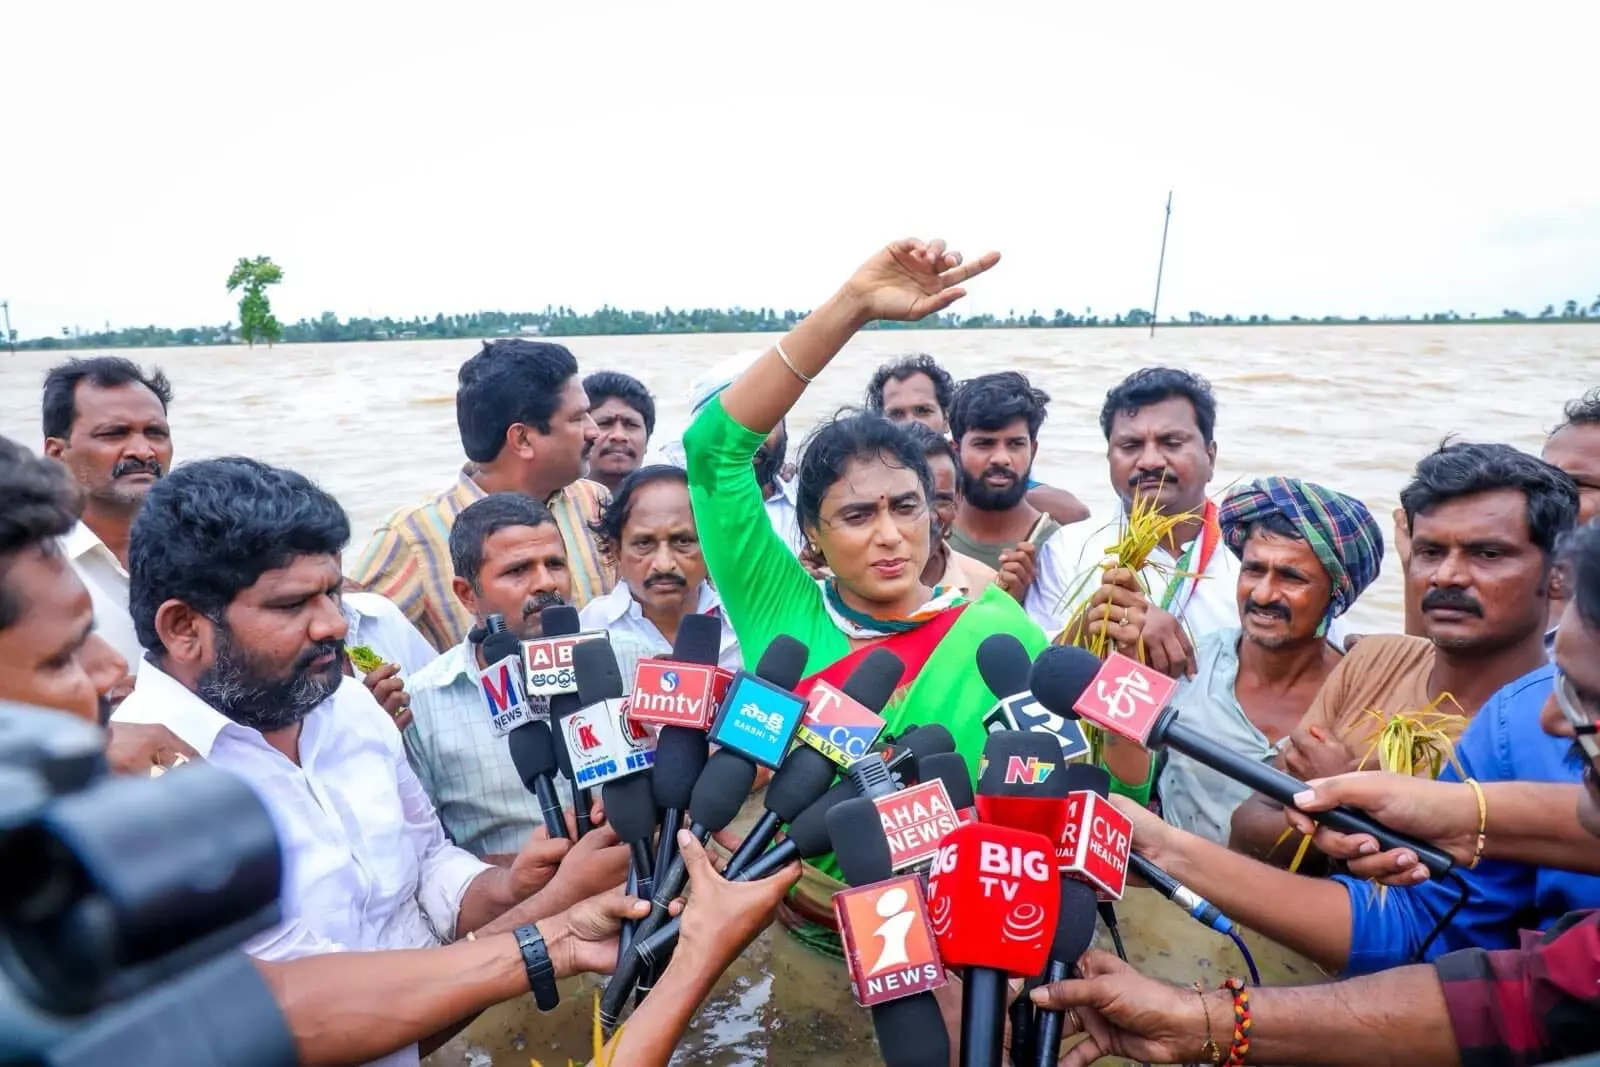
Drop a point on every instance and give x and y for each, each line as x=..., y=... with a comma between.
x=864, y=501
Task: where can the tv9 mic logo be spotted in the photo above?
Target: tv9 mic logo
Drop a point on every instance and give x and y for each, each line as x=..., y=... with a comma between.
x=888, y=943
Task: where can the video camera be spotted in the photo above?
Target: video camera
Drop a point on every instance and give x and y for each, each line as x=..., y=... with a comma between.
x=122, y=903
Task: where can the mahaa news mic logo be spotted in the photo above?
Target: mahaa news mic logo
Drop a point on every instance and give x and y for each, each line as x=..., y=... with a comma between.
x=669, y=693
x=757, y=720
x=548, y=663
x=914, y=821
x=837, y=726
x=888, y=941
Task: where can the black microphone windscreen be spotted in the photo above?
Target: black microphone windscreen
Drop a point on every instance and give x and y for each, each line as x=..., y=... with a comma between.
x=1087, y=778
x=721, y=790
x=599, y=677
x=783, y=663
x=809, y=829
x=630, y=806
x=1005, y=746
x=533, y=752
x=680, y=757
x=1076, y=921
x=927, y=740
x=699, y=639
x=1059, y=677
x=911, y=1032
x=873, y=681
x=558, y=620
x=804, y=775
x=951, y=769
x=1004, y=664
x=859, y=845
x=497, y=645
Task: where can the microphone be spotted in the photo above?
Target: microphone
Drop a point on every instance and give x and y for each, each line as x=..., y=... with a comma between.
x=910, y=1028
x=809, y=767
x=875, y=774
x=1074, y=932
x=1130, y=700
x=602, y=742
x=1021, y=783
x=759, y=716
x=807, y=838
x=1005, y=667
x=677, y=695
x=560, y=620
x=842, y=724
x=1198, y=907
x=993, y=897
x=511, y=712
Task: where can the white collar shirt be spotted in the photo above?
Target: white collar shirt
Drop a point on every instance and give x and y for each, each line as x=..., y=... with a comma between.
x=618, y=612
x=107, y=581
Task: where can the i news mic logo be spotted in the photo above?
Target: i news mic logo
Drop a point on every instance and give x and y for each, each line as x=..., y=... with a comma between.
x=757, y=720
x=503, y=694
x=669, y=693
x=548, y=662
x=837, y=726
x=888, y=943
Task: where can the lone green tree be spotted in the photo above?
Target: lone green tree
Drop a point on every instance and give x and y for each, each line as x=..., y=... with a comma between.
x=256, y=321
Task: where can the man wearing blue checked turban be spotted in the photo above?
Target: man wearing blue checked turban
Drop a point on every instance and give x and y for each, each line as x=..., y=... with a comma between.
x=1306, y=553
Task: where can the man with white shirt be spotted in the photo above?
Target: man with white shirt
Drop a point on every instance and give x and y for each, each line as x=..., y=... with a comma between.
x=648, y=529
x=509, y=559
x=105, y=420
x=1161, y=451
x=234, y=591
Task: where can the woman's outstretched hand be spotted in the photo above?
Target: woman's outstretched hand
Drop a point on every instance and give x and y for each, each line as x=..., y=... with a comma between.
x=911, y=279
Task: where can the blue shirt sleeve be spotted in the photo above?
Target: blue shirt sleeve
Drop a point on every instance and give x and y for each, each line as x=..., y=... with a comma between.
x=1387, y=928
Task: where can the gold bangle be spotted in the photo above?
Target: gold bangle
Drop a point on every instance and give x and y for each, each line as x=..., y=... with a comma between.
x=787, y=362
x=1210, y=1052
x=1483, y=823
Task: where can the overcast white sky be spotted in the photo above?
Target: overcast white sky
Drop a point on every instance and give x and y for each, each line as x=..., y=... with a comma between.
x=414, y=158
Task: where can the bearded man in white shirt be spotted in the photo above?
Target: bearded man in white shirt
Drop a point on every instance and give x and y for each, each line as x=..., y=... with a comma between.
x=649, y=532
x=234, y=591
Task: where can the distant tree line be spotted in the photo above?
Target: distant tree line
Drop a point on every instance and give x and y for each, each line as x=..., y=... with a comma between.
x=610, y=321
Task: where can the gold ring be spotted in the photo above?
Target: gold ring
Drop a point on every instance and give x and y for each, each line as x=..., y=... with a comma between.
x=1072, y=1013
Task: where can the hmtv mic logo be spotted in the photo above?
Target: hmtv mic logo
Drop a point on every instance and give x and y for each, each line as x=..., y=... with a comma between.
x=669, y=693
x=837, y=726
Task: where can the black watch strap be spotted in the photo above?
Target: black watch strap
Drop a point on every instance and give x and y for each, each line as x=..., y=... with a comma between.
x=541, y=972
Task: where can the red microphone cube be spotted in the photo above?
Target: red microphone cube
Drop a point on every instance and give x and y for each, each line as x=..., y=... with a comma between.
x=993, y=898
x=670, y=693
x=1094, y=846
x=1125, y=697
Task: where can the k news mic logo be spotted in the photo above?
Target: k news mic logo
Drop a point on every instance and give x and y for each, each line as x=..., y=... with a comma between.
x=758, y=720
x=604, y=743
x=888, y=943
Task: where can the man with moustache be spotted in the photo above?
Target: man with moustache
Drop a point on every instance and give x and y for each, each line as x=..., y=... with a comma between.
x=1484, y=520
x=994, y=424
x=510, y=559
x=525, y=427
x=50, y=653
x=947, y=568
x=915, y=389
x=648, y=530
x=1537, y=1002
x=105, y=419
x=1161, y=449
x=625, y=414
x=234, y=583
x=1306, y=554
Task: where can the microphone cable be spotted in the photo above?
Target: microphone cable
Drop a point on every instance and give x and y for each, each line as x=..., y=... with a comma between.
x=1249, y=960
x=1463, y=892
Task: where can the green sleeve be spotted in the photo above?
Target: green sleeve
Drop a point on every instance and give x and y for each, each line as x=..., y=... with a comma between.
x=1140, y=793
x=764, y=589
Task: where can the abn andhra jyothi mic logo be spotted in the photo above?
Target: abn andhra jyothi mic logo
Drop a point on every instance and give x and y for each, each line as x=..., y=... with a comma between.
x=758, y=720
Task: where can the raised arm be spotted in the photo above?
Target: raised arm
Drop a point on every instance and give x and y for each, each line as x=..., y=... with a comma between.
x=906, y=281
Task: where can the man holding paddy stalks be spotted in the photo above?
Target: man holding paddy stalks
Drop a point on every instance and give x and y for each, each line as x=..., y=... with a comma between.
x=1306, y=553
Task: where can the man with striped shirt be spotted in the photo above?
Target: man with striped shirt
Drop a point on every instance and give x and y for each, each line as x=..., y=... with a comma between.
x=525, y=427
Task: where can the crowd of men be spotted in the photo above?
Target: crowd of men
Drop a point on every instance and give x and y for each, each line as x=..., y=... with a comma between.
x=206, y=611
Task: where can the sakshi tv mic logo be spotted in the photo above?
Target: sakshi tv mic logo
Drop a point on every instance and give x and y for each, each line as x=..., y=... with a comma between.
x=758, y=720
x=837, y=726
x=888, y=942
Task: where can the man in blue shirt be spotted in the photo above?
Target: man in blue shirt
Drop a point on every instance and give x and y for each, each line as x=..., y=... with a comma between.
x=1347, y=925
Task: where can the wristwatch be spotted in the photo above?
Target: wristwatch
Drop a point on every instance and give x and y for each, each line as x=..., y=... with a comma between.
x=541, y=972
